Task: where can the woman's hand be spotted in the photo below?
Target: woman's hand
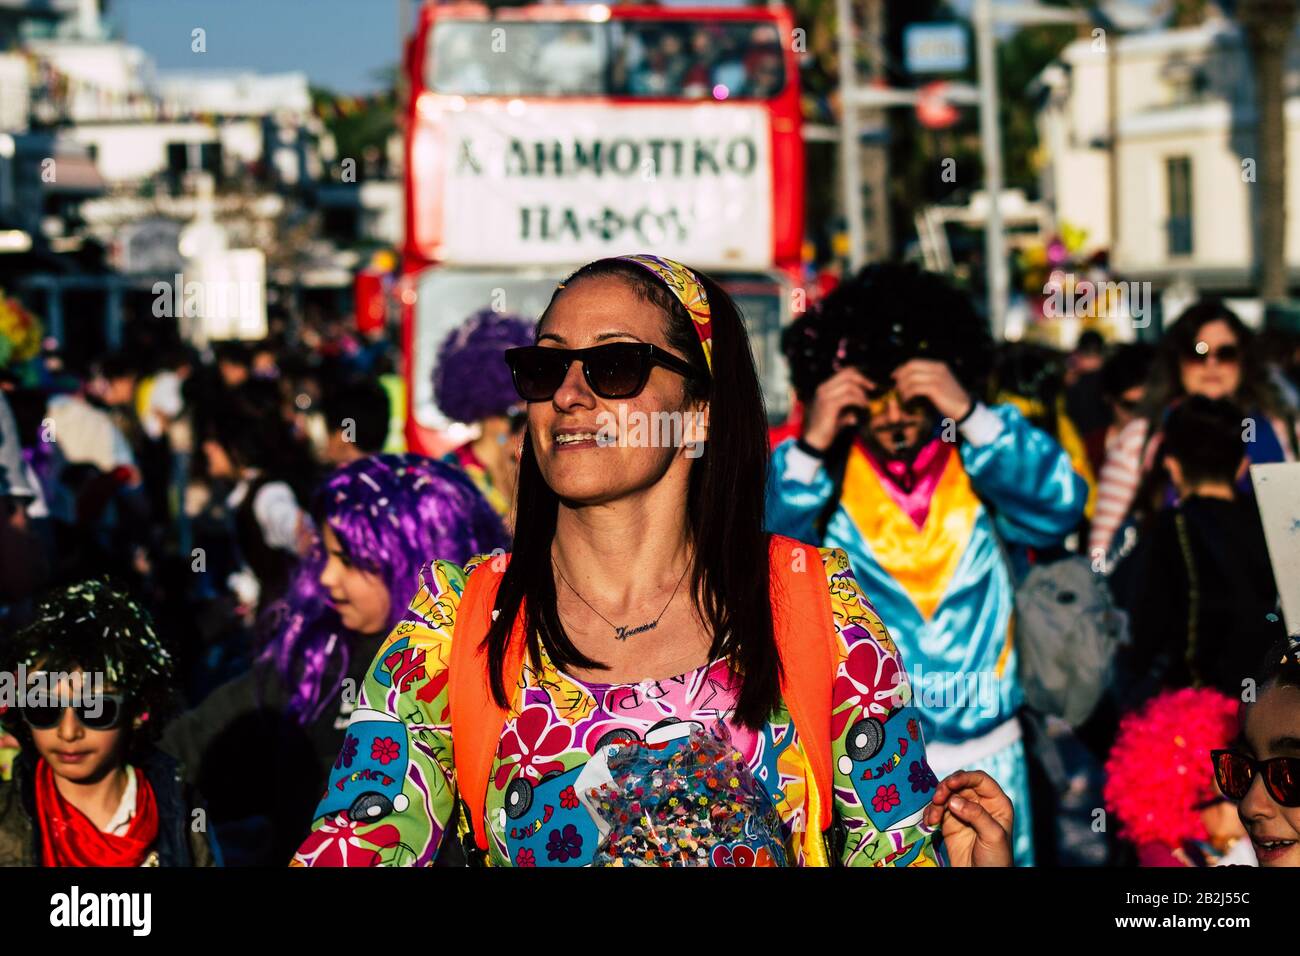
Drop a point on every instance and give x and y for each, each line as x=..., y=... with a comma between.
x=977, y=819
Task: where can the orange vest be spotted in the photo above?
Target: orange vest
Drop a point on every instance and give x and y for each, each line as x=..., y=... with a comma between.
x=804, y=627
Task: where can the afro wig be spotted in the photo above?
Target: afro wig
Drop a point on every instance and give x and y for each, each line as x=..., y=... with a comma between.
x=1159, y=767
x=471, y=380
x=884, y=316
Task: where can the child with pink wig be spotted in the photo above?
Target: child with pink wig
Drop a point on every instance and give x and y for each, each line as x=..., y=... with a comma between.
x=1160, y=784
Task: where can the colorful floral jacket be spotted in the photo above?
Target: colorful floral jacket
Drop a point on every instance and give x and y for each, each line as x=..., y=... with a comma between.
x=391, y=799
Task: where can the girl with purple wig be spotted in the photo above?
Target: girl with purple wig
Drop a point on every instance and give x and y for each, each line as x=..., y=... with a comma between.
x=378, y=520
x=472, y=384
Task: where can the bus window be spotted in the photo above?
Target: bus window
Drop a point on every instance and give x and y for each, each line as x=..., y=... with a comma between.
x=713, y=60
x=478, y=58
x=572, y=59
x=673, y=59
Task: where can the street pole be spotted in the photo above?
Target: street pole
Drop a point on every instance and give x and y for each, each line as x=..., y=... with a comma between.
x=875, y=156
x=991, y=150
x=1112, y=135
x=403, y=31
x=850, y=138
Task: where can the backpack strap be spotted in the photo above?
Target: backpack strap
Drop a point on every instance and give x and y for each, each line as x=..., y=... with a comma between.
x=476, y=719
x=804, y=626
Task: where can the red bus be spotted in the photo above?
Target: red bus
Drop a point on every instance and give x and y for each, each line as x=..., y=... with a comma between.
x=544, y=136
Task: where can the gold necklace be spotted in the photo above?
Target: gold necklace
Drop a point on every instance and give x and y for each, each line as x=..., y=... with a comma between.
x=624, y=632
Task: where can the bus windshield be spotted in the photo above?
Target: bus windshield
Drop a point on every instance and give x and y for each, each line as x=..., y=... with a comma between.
x=716, y=60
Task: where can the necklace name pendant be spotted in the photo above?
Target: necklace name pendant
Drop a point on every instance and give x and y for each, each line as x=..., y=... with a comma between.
x=623, y=633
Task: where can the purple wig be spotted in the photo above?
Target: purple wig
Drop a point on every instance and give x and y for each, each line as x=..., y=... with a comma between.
x=392, y=514
x=471, y=380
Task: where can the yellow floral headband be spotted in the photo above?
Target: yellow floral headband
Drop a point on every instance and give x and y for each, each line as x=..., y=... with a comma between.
x=689, y=290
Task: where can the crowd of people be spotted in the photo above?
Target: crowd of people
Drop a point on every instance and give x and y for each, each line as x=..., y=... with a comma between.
x=229, y=594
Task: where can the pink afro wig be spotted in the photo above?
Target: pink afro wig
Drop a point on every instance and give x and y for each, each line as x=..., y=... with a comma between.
x=1159, y=768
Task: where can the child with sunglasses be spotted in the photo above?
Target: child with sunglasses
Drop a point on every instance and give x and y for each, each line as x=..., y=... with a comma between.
x=89, y=788
x=1161, y=789
x=1260, y=770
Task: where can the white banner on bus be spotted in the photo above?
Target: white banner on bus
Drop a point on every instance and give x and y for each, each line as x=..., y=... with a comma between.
x=544, y=183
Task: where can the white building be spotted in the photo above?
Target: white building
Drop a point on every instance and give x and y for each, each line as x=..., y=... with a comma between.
x=284, y=95
x=139, y=125
x=1175, y=207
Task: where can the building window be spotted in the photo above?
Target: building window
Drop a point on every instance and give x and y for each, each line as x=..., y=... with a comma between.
x=1178, y=180
x=184, y=157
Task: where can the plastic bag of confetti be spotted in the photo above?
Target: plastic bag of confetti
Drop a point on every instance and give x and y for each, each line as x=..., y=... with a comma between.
x=683, y=796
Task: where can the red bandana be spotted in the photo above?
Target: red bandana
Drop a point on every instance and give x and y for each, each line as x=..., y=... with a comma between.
x=68, y=838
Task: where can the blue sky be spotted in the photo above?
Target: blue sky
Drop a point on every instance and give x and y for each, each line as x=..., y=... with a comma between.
x=337, y=43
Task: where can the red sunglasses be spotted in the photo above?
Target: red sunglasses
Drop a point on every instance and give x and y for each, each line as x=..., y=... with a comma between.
x=1235, y=773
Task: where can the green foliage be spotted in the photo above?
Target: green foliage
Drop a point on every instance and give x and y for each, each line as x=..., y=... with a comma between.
x=360, y=125
x=1021, y=57
x=917, y=153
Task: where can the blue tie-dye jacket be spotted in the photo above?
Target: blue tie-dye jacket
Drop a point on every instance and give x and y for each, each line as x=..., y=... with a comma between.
x=1037, y=499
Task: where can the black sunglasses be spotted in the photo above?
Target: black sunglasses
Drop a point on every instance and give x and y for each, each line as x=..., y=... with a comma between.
x=107, y=715
x=1201, y=352
x=616, y=370
x=1235, y=772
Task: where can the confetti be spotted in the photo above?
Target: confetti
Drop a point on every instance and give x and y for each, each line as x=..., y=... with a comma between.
x=667, y=808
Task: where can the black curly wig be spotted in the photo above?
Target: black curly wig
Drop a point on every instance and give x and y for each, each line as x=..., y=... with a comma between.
x=884, y=316
x=94, y=627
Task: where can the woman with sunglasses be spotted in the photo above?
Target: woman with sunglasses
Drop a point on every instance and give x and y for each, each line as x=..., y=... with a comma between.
x=89, y=786
x=1208, y=351
x=637, y=618
x=471, y=384
x=1261, y=769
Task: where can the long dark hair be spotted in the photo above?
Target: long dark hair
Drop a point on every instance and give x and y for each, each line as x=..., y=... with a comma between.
x=1254, y=394
x=1281, y=663
x=1166, y=382
x=724, y=511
